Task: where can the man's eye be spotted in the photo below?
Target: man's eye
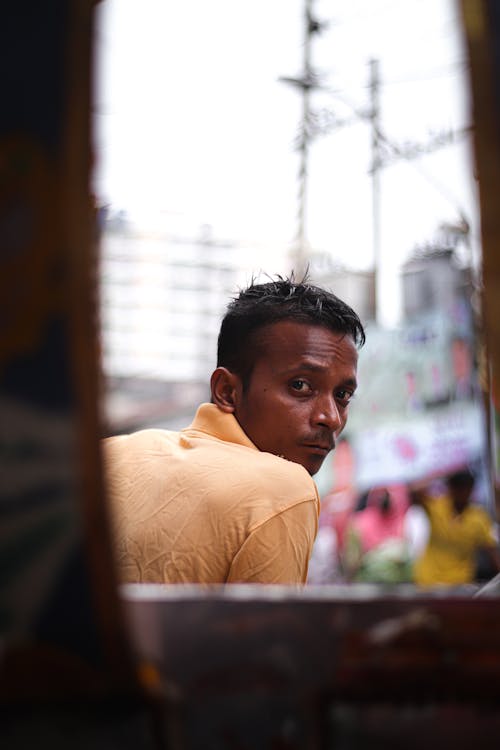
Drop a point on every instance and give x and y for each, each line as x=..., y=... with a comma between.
x=344, y=396
x=300, y=385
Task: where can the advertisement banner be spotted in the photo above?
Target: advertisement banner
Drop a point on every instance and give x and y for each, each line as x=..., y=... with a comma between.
x=434, y=443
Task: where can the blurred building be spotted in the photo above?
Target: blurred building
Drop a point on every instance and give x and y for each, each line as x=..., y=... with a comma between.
x=357, y=288
x=162, y=298
x=432, y=279
x=418, y=410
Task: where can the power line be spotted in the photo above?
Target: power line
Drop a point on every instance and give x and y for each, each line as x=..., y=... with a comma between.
x=458, y=67
x=316, y=123
x=410, y=151
x=362, y=13
x=445, y=71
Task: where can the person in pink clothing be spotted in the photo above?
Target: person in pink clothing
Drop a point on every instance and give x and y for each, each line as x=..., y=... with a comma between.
x=376, y=549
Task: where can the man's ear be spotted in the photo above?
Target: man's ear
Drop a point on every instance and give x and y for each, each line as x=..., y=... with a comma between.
x=225, y=386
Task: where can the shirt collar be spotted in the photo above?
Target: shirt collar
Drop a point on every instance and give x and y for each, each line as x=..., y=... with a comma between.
x=211, y=420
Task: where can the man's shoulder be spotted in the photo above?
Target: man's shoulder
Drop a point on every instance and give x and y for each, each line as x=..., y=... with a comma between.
x=230, y=464
x=149, y=441
x=480, y=512
x=269, y=471
x=263, y=484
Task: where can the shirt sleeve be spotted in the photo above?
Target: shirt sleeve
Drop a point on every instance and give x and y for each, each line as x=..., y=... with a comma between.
x=278, y=551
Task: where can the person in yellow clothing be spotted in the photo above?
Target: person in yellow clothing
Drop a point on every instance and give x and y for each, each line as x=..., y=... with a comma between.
x=231, y=498
x=458, y=530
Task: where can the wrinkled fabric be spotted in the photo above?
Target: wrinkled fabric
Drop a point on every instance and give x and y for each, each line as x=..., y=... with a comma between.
x=204, y=505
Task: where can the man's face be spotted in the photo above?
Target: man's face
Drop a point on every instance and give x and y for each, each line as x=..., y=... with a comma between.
x=461, y=495
x=297, y=400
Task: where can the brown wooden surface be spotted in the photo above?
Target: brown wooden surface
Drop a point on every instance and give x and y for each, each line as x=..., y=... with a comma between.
x=353, y=642
x=331, y=667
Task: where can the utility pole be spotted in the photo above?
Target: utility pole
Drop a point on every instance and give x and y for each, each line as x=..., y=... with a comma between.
x=300, y=252
x=306, y=82
x=375, y=171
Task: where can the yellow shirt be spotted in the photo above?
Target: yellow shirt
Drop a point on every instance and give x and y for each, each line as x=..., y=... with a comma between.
x=449, y=557
x=204, y=505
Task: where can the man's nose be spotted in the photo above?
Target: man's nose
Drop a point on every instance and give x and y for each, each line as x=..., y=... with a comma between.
x=327, y=414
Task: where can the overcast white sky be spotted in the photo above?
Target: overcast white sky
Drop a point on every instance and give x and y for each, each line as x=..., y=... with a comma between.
x=193, y=124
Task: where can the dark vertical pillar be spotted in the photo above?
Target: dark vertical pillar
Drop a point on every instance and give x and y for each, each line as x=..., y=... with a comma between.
x=482, y=34
x=60, y=622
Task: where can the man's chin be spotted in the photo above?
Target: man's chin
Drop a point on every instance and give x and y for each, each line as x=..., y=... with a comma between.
x=313, y=464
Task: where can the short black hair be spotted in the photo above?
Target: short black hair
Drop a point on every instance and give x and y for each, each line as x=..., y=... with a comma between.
x=280, y=299
x=460, y=478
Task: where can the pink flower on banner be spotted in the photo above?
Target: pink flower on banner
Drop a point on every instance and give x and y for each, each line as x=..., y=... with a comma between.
x=405, y=447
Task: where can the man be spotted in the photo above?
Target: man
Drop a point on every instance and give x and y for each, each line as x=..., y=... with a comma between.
x=458, y=530
x=230, y=498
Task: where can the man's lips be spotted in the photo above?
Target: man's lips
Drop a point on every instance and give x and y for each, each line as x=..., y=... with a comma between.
x=322, y=448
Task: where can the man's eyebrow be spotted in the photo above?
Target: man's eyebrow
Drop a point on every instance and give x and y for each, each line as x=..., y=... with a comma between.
x=316, y=367
x=310, y=366
x=352, y=382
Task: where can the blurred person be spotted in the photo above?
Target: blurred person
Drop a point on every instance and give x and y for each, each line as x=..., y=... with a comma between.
x=337, y=506
x=231, y=497
x=416, y=530
x=376, y=548
x=324, y=562
x=458, y=529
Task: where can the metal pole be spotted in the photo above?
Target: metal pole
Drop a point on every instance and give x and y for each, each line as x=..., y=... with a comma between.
x=374, y=119
x=301, y=249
